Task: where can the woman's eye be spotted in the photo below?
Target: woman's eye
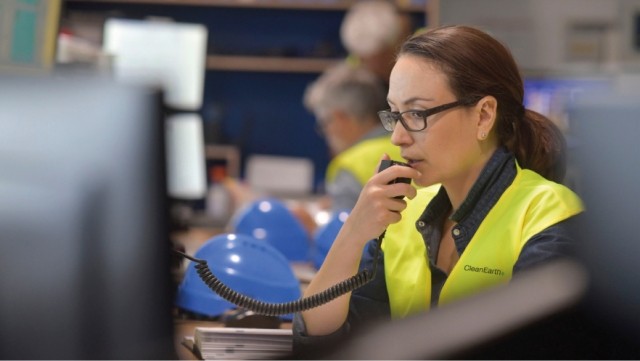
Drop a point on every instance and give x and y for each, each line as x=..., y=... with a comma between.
x=414, y=115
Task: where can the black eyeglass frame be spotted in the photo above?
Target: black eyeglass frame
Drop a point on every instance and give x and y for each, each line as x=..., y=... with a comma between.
x=389, y=119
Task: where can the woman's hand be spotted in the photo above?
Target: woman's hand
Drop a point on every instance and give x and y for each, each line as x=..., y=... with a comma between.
x=377, y=206
x=375, y=210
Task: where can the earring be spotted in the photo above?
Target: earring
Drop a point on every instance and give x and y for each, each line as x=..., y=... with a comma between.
x=483, y=135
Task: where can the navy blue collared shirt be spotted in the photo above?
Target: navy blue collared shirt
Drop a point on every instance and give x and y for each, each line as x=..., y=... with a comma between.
x=371, y=302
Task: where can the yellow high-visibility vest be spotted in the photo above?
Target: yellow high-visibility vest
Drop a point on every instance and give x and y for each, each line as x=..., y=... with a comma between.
x=528, y=206
x=362, y=158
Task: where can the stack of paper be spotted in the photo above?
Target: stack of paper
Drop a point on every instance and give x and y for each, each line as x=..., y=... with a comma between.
x=242, y=343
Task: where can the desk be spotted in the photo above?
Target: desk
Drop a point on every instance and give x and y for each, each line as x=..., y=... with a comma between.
x=192, y=240
x=186, y=328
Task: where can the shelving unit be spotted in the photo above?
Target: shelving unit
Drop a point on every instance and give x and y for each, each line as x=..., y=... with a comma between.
x=410, y=5
x=261, y=56
x=268, y=64
x=281, y=64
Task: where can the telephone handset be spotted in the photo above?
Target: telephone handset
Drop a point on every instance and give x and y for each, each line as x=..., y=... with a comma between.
x=275, y=309
x=386, y=163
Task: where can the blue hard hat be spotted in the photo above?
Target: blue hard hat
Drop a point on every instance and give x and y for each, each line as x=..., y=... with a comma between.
x=324, y=236
x=270, y=220
x=246, y=265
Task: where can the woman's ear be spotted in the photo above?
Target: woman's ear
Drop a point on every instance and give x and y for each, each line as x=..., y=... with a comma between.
x=487, y=109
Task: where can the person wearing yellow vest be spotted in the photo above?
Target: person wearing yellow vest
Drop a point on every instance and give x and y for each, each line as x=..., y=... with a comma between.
x=345, y=101
x=491, y=204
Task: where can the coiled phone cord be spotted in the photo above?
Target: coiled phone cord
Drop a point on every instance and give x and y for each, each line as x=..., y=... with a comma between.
x=275, y=309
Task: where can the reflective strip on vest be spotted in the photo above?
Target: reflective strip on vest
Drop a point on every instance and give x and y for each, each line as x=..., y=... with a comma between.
x=362, y=159
x=527, y=207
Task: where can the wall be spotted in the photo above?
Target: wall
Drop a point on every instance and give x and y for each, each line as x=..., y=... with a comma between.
x=545, y=35
x=261, y=112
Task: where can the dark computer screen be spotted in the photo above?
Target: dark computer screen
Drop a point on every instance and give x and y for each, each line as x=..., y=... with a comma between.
x=84, y=248
x=607, y=127
x=552, y=95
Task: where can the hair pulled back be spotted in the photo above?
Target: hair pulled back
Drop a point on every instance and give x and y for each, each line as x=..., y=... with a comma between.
x=478, y=65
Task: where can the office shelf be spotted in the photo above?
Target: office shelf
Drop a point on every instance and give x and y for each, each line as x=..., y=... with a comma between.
x=413, y=6
x=268, y=64
x=261, y=56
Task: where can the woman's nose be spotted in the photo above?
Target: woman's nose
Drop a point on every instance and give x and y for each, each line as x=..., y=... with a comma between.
x=400, y=135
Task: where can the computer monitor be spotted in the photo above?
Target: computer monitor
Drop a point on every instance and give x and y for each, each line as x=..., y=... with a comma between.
x=84, y=247
x=168, y=53
x=607, y=127
x=172, y=55
x=552, y=94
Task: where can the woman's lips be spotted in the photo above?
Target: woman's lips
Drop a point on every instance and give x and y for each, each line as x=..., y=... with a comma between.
x=411, y=161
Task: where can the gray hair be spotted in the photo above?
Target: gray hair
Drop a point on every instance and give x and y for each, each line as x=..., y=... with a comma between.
x=355, y=91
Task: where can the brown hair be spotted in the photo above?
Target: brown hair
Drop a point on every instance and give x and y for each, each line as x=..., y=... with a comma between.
x=478, y=65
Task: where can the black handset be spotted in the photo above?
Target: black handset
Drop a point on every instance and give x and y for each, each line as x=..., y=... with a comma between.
x=274, y=309
x=386, y=163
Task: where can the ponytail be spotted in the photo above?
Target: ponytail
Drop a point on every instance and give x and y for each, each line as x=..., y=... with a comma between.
x=538, y=144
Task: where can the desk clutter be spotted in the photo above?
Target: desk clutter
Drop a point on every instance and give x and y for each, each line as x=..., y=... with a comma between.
x=232, y=343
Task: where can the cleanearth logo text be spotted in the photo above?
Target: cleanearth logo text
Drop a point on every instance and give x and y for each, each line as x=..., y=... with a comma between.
x=487, y=270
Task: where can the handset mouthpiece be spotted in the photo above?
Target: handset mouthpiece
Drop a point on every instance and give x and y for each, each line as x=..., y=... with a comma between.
x=386, y=163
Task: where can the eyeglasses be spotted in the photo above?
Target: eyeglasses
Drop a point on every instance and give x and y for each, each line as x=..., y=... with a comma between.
x=416, y=120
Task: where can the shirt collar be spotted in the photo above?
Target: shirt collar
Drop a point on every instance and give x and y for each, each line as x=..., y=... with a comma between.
x=488, y=177
x=492, y=173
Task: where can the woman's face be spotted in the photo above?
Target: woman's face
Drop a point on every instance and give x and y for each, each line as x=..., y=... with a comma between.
x=448, y=150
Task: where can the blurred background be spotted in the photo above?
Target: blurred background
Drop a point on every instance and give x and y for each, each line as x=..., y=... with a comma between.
x=233, y=73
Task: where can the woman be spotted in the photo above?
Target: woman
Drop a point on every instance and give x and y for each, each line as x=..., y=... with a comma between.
x=490, y=206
